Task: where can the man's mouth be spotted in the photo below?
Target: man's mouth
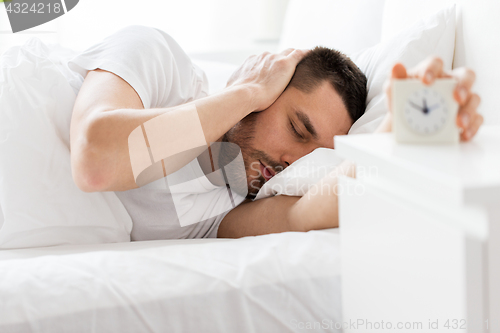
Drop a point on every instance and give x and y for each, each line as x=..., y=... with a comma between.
x=266, y=171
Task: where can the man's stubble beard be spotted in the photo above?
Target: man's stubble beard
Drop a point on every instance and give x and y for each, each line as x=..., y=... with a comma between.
x=242, y=135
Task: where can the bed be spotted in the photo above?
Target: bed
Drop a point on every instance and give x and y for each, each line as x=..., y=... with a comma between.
x=66, y=260
x=273, y=283
x=84, y=275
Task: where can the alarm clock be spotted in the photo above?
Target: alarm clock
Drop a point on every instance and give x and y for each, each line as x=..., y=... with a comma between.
x=424, y=114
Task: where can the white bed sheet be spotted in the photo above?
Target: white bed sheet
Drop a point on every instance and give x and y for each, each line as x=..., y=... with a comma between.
x=271, y=283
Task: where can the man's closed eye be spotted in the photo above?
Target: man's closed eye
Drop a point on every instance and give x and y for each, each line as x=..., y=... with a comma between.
x=295, y=132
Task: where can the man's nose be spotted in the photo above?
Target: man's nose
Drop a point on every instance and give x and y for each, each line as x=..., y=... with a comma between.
x=291, y=156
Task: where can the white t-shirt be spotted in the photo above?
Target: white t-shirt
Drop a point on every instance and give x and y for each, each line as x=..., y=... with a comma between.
x=163, y=76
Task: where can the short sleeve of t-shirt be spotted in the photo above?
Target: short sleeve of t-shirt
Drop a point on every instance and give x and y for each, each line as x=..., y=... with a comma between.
x=150, y=61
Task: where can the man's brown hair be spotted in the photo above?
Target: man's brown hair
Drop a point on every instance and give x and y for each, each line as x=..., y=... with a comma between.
x=321, y=64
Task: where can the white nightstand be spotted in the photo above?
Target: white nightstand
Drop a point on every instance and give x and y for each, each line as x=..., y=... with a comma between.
x=420, y=231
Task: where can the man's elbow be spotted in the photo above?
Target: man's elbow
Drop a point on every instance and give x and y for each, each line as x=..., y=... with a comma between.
x=86, y=187
x=86, y=179
x=87, y=173
x=88, y=158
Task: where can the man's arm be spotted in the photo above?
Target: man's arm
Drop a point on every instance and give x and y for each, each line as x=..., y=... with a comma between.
x=317, y=209
x=99, y=142
x=107, y=110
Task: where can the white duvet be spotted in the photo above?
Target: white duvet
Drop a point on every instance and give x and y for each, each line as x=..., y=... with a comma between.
x=272, y=283
x=40, y=202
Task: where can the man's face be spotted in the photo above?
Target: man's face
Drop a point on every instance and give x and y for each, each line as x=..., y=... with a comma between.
x=294, y=125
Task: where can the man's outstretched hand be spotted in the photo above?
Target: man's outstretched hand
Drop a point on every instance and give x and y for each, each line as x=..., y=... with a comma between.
x=468, y=120
x=267, y=75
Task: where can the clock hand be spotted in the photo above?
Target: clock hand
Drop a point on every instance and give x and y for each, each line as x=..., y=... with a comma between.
x=434, y=106
x=425, y=109
x=416, y=106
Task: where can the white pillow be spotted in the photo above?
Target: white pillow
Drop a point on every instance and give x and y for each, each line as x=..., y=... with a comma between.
x=433, y=35
x=40, y=202
x=332, y=23
x=300, y=175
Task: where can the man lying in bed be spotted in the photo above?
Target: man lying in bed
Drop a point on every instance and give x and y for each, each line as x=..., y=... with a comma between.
x=276, y=108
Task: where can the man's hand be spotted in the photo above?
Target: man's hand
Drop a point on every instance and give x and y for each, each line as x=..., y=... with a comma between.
x=267, y=75
x=468, y=120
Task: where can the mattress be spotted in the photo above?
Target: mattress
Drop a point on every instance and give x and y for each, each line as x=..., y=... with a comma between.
x=272, y=283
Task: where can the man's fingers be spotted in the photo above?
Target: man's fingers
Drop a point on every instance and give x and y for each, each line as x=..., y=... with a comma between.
x=264, y=54
x=429, y=70
x=469, y=133
x=298, y=54
x=467, y=112
x=399, y=71
x=433, y=70
x=466, y=78
x=287, y=51
x=468, y=119
x=475, y=126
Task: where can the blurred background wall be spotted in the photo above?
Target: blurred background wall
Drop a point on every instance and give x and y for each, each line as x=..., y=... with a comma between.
x=199, y=26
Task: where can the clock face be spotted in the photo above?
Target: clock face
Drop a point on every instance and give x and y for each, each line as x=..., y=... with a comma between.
x=425, y=111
